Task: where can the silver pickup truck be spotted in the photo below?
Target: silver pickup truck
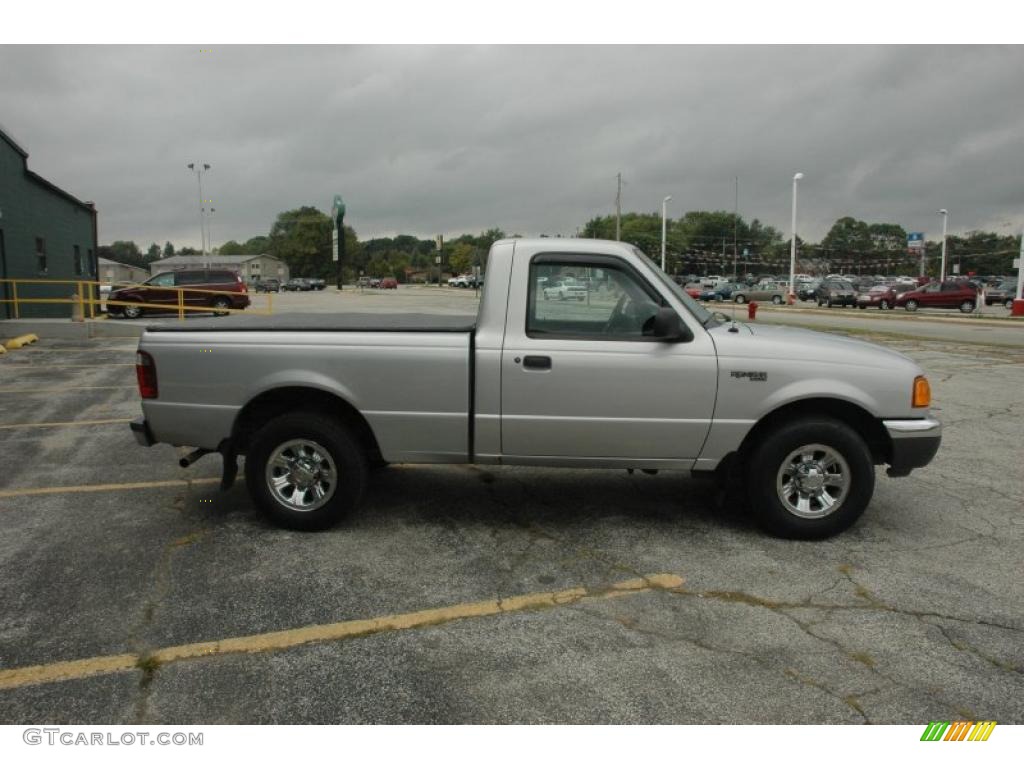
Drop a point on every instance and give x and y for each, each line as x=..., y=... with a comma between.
x=636, y=375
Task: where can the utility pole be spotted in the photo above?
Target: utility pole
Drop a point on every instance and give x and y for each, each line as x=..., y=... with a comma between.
x=618, y=206
x=199, y=168
x=735, y=226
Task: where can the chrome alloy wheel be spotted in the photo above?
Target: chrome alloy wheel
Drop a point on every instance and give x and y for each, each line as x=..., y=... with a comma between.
x=813, y=481
x=301, y=475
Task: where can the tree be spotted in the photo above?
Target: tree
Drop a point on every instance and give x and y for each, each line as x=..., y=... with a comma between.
x=302, y=239
x=187, y=251
x=168, y=250
x=125, y=252
x=256, y=245
x=153, y=253
x=848, y=240
x=232, y=248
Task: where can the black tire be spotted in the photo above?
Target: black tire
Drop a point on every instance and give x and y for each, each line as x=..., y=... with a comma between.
x=740, y=299
x=131, y=312
x=774, y=451
x=883, y=304
x=342, y=450
x=1008, y=304
x=220, y=305
x=776, y=300
x=820, y=302
x=967, y=307
x=828, y=303
x=911, y=305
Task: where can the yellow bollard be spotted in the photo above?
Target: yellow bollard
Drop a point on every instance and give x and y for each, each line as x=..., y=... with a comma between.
x=17, y=311
x=181, y=304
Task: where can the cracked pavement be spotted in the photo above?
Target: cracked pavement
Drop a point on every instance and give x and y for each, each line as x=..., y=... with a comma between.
x=915, y=614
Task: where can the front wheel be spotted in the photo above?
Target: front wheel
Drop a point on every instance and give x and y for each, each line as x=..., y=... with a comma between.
x=305, y=471
x=131, y=312
x=967, y=307
x=221, y=306
x=740, y=298
x=776, y=300
x=1008, y=304
x=883, y=304
x=911, y=305
x=810, y=479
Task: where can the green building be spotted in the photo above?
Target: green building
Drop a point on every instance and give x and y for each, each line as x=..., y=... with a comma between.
x=45, y=234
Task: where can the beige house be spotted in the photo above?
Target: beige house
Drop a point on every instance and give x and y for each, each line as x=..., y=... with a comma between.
x=111, y=272
x=250, y=267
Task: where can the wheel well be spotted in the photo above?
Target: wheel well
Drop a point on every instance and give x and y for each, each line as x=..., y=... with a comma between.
x=859, y=420
x=276, y=402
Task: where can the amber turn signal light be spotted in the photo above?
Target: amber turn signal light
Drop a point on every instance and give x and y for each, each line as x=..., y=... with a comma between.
x=922, y=397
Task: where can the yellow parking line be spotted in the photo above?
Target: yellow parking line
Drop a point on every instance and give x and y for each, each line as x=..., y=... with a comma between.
x=88, y=423
x=33, y=390
x=321, y=633
x=106, y=487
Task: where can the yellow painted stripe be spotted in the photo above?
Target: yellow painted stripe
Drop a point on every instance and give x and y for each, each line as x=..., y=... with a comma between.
x=33, y=390
x=320, y=633
x=106, y=487
x=64, y=423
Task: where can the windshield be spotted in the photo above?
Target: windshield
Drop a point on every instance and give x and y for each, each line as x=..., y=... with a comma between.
x=695, y=308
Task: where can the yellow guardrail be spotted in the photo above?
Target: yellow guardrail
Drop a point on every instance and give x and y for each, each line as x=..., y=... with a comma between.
x=88, y=299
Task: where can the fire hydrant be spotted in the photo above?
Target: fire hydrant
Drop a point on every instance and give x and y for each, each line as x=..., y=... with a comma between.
x=752, y=310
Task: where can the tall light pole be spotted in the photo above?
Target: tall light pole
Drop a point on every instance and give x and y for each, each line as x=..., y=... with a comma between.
x=199, y=168
x=664, y=204
x=792, y=245
x=945, y=218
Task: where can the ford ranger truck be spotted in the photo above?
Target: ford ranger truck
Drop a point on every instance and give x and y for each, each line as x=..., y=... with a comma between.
x=637, y=375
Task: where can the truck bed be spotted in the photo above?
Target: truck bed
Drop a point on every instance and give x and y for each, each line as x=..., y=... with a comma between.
x=408, y=322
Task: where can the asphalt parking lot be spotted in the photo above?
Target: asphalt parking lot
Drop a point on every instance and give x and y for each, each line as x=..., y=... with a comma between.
x=133, y=591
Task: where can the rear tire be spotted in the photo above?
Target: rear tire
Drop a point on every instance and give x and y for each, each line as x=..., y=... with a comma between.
x=220, y=305
x=776, y=300
x=131, y=312
x=967, y=307
x=311, y=448
x=1008, y=304
x=883, y=304
x=810, y=479
x=740, y=298
x=911, y=305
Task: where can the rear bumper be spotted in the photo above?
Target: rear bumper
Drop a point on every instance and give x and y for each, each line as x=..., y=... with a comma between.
x=142, y=434
x=914, y=443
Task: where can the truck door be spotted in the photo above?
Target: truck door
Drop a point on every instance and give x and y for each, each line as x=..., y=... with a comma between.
x=582, y=379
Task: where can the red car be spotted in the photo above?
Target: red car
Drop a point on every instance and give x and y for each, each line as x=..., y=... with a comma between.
x=196, y=286
x=881, y=296
x=946, y=295
x=389, y=282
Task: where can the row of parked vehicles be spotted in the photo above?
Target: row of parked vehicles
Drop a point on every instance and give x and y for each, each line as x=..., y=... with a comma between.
x=863, y=292
x=273, y=285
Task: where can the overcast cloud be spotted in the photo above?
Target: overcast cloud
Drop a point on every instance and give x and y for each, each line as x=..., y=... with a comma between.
x=424, y=140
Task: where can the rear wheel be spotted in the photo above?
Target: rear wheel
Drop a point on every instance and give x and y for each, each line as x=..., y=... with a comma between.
x=131, y=311
x=967, y=307
x=776, y=299
x=221, y=306
x=740, y=298
x=883, y=304
x=305, y=471
x=810, y=479
x=1008, y=304
x=911, y=305
x=828, y=303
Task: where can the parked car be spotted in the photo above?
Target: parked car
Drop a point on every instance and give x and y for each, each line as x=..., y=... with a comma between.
x=389, y=284
x=267, y=285
x=723, y=292
x=881, y=296
x=773, y=292
x=949, y=294
x=807, y=291
x=833, y=292
x=793, y=420
x=565, y=289
x=195, y=286
x=297, y=284
x=317, y=283
x=694, y=289
x=1004, y=293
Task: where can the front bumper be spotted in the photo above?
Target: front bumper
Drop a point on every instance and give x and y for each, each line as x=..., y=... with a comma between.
x=142, y=434
x=914, y=443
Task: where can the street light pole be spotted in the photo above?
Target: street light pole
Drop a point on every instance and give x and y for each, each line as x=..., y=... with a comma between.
x=945, y=217
x=664, y=204
x=199, y=168
x=792, y=246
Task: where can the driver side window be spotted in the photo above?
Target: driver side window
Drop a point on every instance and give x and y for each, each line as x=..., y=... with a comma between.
x=579, y=300
x=163, y=280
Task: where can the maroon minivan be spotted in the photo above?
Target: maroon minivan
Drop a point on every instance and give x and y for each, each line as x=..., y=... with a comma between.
x=950, y=294
x=194, y=285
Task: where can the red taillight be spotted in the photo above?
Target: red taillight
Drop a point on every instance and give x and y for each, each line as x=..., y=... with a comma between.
x=145, y=371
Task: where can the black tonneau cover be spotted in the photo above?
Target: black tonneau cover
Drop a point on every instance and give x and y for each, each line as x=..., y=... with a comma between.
x=327, y=321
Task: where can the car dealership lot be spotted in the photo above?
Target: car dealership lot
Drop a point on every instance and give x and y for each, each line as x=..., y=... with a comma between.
x=111, y=555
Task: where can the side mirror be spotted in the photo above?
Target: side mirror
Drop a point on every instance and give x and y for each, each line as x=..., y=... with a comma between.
x=668, y=326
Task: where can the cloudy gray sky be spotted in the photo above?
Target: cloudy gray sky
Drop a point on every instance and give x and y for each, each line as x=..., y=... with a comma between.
x=424, y=140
